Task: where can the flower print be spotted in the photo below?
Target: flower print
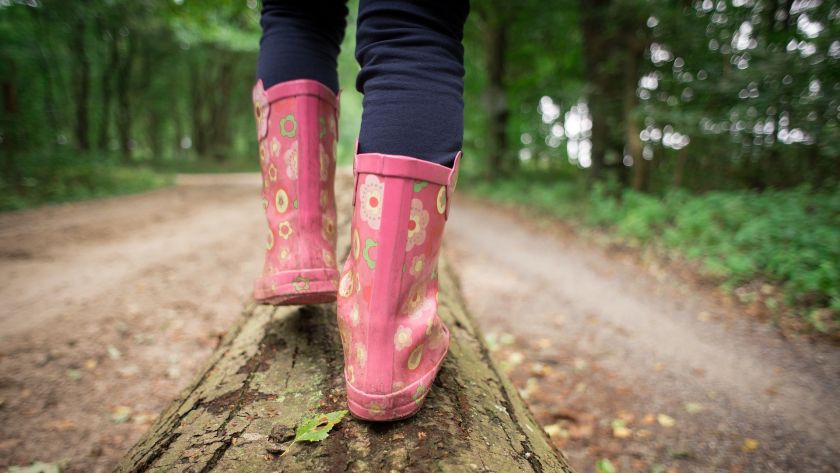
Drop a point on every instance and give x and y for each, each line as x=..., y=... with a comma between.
x=275, y=147
x=291, y=159
x=430, y=322
x=281, y=201
x=324, y=157
x=270, y=243
x=283, y=253
x=402, y=339
x=263, y=153
x=417, y=264
x=288, y=126
x=322, y=122
x=351, y=375
x=329, y=260
x=284, y=230
x=261, y=109
x=328, y=227
x=357, y=245
x=370, y=243
x=300, y=283
x=361, y=354
x=418, y=219
x=371, y=193
x=415, y=357
x=441, y=200
x=397, y=385
x=419, y=394
x=375, y=409
x=272, y=173
x=265, y=204
x=416, y=297
x=345, y=287
x=354, y=315
x=324, y=199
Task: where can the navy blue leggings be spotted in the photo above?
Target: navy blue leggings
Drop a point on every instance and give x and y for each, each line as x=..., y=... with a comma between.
x=412, y=66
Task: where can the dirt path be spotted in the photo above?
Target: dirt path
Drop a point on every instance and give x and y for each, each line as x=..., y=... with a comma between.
x=108, y=307
x=609, y=346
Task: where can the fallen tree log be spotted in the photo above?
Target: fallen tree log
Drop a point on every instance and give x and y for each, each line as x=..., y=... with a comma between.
x=277, y=366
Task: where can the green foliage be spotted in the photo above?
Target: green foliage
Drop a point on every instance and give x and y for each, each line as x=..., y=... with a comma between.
x=318, y=428
x=315, y=429
x=604, y=466
x=786, y=236
x=69, y=176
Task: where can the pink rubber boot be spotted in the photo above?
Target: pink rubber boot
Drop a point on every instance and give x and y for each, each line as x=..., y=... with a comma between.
x=296, y=128
x=394, y=342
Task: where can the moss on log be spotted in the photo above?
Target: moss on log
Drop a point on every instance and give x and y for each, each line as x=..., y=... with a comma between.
x=277, y=366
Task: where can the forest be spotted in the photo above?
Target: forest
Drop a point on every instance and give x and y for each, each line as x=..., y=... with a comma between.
x=707, y=129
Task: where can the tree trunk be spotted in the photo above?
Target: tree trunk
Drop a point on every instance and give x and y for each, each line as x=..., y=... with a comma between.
x=124, y=115
x=594, y=56
x=632, y=140
x=496, y=98
x=679, y=167
x=10, y=144
x=82, y=86
x=278, y=365
x=107, y=89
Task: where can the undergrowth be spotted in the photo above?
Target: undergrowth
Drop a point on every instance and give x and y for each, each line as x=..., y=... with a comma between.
x=788, y=237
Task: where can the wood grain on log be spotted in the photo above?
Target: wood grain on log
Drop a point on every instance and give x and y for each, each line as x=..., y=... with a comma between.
x=279, y=365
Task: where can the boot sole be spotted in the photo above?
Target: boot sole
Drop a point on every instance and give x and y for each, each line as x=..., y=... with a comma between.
x=318, y=286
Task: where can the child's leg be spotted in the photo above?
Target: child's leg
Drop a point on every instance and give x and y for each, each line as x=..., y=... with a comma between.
x=295, y=105
x=412, y=70
x=412, y=125
x=301, y=40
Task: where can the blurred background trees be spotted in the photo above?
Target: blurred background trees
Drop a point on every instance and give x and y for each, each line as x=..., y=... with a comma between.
x=710, y=126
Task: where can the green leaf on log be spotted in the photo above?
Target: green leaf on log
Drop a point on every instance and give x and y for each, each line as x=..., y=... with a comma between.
x=318, y=428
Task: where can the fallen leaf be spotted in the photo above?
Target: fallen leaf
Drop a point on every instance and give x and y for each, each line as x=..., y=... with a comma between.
x=556, y=431
x=74, y=374
x=145, y=418
x=643, y=433
x=665, y=420
x=121, y=414
x=90, y=364
x=114, y=353
x=648, y=419
x=128, y=371
x=619, y=429
x=9, y=443
x=61, y=425
x=604, y=466
x=515, y=358
x=317, y=428
x=749, y=445
x=37, y=467
x=492, y=342
x=693, y=407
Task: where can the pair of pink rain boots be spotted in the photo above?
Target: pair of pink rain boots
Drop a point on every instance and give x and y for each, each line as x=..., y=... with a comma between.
x=393, y=340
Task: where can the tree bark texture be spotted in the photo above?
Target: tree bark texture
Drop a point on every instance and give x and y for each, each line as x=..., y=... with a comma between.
x=278, y=365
